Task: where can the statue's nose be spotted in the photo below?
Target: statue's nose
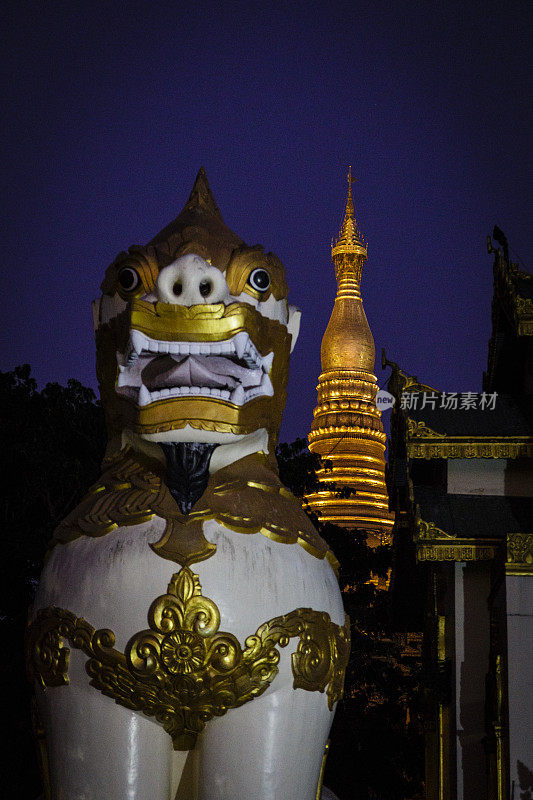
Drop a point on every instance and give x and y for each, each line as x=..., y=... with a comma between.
x=189, y=281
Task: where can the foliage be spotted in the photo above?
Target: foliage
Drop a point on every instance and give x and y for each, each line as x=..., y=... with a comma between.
x=376, y=740
x=53, y=442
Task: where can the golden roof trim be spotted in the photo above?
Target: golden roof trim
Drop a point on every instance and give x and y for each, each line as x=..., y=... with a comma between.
x=434, y=544
x=424, y=442
x=412, y=384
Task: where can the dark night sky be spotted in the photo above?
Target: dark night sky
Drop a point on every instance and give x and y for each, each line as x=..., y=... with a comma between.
x=111, y=108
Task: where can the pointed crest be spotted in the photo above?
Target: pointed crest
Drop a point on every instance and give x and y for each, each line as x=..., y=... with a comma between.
x=198, y=228
x=201, y=195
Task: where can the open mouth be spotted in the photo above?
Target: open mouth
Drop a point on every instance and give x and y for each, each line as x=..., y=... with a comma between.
x=232, y=370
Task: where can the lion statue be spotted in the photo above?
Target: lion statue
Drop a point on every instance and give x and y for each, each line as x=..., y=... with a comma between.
x=188, y=638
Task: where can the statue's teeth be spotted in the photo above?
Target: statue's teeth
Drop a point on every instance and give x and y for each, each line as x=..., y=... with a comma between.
x=138, y=341
x=267, y=362
x=237, y=396
x=144, y=396
x=266, y=386
x=122, y=379
x=179, y=348
x=240, y=341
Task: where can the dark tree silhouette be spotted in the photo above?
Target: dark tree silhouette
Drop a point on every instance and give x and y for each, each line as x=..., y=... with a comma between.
x=52, y=445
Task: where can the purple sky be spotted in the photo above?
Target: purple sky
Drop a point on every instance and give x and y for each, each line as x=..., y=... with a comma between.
x=110, y=109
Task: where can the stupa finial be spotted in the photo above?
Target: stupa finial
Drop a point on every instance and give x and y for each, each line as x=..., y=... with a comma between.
x=350, y=238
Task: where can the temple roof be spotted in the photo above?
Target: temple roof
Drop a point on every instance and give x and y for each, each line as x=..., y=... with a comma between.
x=509, y=353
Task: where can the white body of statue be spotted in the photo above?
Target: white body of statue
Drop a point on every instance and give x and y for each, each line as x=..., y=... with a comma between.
x=270, y=747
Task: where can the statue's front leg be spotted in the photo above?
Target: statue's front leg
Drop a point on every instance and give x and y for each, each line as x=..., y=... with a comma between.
x=98, y=749
x=269, y=749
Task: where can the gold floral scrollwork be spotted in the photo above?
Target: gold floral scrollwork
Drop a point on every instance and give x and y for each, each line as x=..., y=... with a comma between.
x=420, y=429
x=519, y=553
x=184, y=671
x=428, y=530
x=48, y=658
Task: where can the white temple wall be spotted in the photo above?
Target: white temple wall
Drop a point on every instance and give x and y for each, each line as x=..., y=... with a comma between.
x=519, y=590
x=490, y=476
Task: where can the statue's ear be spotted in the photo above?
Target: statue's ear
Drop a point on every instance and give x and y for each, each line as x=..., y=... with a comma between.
x=293, y=325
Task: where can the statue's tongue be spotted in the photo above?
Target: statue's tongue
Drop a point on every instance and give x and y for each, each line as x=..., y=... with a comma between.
x=214, y=372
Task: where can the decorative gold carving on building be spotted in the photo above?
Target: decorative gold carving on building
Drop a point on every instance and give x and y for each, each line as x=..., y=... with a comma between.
x=420, y=429
x=428, y=530
x=519, y=554
x=434, y=544
x=183, y=670
x=444, y=726
x=511, y=292
x=347, y=429
x=423, y=442
x=463, y=550
x=131, y=490
x=412, y=384
x=499, y=728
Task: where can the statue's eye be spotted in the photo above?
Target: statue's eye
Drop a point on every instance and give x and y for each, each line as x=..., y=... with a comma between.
x=259, y=279
x=129, y=279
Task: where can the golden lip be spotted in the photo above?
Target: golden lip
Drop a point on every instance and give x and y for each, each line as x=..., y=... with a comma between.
x=202, y=413
x=177, y=412
x=202, y=323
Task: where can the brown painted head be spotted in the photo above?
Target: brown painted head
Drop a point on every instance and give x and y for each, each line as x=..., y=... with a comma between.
x=194, y=332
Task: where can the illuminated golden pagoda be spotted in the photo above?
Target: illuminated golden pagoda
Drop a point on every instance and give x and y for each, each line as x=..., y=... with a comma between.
x=347, y=429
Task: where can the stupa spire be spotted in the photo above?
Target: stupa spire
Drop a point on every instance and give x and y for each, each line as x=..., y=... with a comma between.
x=348, y=215
x=347, y=429
x=350, y=238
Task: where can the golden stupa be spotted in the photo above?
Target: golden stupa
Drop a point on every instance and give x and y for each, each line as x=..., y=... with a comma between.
x=347, y=431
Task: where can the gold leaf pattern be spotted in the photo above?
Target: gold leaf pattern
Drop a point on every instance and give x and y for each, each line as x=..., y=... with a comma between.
x=183, y=671
x=131, y=491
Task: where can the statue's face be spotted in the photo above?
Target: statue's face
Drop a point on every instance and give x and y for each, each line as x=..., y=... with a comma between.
x=190, y=351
